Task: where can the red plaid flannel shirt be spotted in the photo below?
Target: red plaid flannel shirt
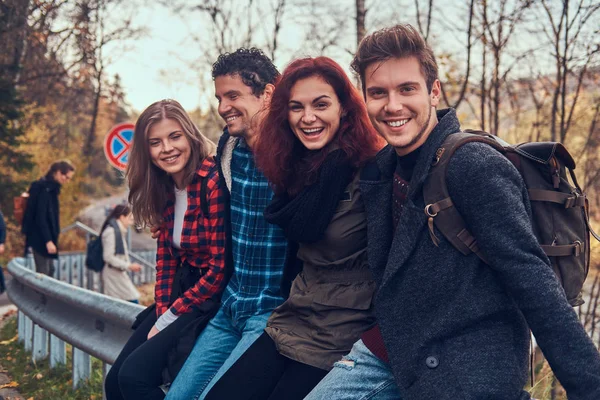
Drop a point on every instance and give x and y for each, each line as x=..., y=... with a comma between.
x=202, y=244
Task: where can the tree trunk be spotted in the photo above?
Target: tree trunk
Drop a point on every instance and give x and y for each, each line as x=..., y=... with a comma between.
x=361, y=14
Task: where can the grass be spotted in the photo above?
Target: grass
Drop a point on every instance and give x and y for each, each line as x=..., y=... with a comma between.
x=36, y=380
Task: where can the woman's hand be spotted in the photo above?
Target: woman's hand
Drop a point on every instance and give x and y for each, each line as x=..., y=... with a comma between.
x=152, y=332
x=155, y=231
x=135, y=267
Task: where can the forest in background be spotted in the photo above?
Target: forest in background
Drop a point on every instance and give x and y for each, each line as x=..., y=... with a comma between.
x=520, y=69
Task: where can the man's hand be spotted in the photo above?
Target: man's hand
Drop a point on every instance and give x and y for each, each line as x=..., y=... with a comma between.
x=135, y=267
x=155, y=232
x=51, y=248
x=152, y=332
x=1, y=248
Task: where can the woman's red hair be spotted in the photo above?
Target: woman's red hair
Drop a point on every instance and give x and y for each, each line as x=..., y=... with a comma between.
x=286, y=163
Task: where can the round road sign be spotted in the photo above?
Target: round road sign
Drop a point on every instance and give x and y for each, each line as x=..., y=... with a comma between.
x=117, y=143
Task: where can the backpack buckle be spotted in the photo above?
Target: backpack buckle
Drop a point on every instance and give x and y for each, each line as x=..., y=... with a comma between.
x=429, y=212
x=577, y=248
x=438, y=156
x=577, y=200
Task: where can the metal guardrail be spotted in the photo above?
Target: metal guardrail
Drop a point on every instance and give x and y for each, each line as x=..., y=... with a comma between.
x=94, y=324
x=59, y=310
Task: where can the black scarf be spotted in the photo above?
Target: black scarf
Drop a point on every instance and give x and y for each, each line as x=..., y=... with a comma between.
x=305, y=217
x=119, y=248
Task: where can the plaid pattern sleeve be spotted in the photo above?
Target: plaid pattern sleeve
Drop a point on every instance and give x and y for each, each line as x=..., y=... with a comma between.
x=203, y=240
x=166, y=263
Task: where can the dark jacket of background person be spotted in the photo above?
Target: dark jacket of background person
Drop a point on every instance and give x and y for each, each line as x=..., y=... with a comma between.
x=2, y=240
x=330, y=303
x=41, y=221
x=2, y=229
x=455, y=328
x=223, y=159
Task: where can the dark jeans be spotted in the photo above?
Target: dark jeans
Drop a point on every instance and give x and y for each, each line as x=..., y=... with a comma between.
x=262, y=373
x=43, y=265
x=137, y=372
x=2, y=284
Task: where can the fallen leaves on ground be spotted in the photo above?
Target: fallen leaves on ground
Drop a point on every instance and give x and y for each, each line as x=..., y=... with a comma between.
x=9, y=341
x=12, y=384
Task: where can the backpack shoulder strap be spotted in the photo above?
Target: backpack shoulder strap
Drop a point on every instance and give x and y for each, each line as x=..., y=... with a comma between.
x=439, y=207
x=203, y=199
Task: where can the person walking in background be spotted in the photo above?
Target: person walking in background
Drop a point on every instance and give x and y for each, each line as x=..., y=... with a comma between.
x=314, y=140
x=173, y=182
x=115, y=253
x=2, y=248
x=41, y=221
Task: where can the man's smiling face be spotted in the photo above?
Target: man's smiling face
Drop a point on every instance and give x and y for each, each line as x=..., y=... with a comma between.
x=399, y=104
x=238, y=106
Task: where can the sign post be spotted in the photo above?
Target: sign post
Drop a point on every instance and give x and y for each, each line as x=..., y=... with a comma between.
x=117, y=143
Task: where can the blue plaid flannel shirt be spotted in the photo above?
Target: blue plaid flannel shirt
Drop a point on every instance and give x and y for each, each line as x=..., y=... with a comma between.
x=259, y=248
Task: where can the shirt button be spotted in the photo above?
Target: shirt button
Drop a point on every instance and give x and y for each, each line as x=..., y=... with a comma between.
x=432, y=362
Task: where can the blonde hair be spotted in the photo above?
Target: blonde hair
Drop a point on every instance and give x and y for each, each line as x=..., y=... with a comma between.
x=149, y=186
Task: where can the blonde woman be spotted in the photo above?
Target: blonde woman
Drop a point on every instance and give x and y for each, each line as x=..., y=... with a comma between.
x=173, y=183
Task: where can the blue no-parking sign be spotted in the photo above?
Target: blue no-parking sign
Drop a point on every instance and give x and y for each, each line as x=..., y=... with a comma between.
x=117, y=143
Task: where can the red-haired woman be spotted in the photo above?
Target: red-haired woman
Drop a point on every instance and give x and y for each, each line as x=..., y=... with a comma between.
x=313, y=142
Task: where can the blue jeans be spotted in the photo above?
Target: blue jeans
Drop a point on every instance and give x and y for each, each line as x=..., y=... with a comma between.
x=360, y=375
x=218, y=347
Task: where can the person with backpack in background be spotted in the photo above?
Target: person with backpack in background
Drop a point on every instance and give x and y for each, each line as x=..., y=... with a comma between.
x=173, y=182
x=2, y=249
x=450, y=326
x=115, y=274
x=41, y=221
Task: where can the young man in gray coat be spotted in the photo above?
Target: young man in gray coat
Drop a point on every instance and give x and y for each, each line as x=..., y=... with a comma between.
x=449, y=326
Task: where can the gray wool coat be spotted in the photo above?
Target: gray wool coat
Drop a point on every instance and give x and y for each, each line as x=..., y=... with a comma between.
x=454, y=327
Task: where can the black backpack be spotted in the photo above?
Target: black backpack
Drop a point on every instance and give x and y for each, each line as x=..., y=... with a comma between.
x=94, y=259
x=93, y=255
x=559, y=208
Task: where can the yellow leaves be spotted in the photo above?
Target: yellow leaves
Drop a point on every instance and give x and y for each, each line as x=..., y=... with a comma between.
x=9, y=341
x=12, y=384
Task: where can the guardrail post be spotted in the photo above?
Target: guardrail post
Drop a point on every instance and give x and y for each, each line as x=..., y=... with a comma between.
x=105, y=369
x=59, y=270
x=28, y=334
x=70, y=270
x=40, y=343
x=81, y=272
x=21, y=326
x=82, y=367
x=58, y=352
x=29, y=263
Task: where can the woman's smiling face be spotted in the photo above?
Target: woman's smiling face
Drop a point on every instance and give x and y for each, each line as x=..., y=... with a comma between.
x=314, y=112
x=169, y=148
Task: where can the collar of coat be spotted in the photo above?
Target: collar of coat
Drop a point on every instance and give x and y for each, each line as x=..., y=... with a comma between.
x=387, y=157
x=389, y=249
x=224, y=153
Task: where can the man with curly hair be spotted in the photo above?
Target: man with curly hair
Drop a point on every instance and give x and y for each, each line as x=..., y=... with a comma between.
x=256, y=250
